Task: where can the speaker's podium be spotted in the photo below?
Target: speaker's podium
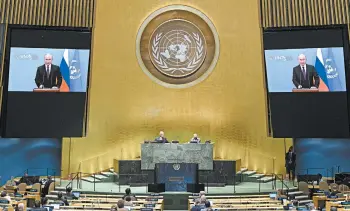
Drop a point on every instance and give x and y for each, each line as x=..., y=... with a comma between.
x=177, y=176
x=305, y=90
x=46, y=90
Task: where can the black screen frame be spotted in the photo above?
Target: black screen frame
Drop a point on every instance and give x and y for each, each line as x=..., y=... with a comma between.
x=75, y=32
x=303, y=45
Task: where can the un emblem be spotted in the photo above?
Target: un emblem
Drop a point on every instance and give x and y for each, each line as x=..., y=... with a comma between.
x=177, y=46
x=176, y=166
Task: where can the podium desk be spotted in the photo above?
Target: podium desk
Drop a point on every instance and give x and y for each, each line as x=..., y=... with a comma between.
x=305, y=90
x=152, y=153
x=176, y=176
x=46, y=90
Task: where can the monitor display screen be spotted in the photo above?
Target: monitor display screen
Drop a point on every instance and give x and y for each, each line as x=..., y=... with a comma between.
x=308, y=68
x=306, y=71
x=47, y=68
x=46, y=82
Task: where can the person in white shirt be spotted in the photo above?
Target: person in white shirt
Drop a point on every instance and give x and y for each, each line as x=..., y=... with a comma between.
x=5, y=196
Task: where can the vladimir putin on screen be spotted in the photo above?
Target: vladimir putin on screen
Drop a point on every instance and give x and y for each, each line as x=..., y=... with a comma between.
x=305, y=75
x=48, y=75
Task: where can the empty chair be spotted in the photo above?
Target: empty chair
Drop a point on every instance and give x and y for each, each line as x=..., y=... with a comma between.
x=22, y=187
x=51, y=187
x=303, y=186
x=37, y=186
x=343, y=188
x=324, y=186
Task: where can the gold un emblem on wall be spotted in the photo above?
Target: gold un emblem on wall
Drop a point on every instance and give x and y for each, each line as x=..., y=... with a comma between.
x=177, y=46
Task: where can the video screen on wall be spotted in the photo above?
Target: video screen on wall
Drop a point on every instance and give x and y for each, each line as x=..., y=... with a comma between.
x=321, y=69
x=46, y=80
x=46, y=68
x=306, y=75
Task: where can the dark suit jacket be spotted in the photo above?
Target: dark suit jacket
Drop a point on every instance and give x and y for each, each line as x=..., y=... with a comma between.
x=158, y=140
x=294, y=158
x=54, y=79
x=312, y=78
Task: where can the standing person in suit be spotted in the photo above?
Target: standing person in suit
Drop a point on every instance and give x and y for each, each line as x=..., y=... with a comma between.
x=48, y=75
x=291, y=163
x=46, y=187
x=305, y=75
x=161, y=138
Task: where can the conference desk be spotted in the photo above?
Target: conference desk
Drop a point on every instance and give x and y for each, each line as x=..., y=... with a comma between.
x=329, y=202
x=152, y=153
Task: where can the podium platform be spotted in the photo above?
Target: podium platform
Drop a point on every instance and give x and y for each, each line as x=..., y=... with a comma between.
x=46, y=90
x=152, y=153
x=305, y=90
x=176, y=176
x=224, y=172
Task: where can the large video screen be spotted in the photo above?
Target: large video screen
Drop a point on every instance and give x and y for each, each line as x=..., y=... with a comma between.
x=43, y=68
x=46, y=82
x=306, y=77
x=309, y=68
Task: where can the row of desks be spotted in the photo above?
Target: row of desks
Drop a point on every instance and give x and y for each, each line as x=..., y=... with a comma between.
x=317, y=200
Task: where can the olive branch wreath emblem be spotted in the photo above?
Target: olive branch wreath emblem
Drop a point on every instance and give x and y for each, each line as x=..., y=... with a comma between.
x=190, y=66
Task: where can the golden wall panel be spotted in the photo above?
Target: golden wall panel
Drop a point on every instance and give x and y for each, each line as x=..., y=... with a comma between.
x=126, y=106
x=304, y=12
x=48, y=12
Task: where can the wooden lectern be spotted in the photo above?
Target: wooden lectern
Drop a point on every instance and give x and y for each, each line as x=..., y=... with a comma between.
x=46, y=90
x=305, y=90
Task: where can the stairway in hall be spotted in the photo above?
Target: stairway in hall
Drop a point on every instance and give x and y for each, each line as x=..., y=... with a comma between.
x=253, y=176
x=104, y=176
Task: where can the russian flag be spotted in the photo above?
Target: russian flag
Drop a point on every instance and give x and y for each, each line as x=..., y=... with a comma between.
x=64, y=67
x=321, y=70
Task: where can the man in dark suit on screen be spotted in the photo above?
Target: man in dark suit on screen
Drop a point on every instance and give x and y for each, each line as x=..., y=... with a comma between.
x=48, y=75
x=305, y=75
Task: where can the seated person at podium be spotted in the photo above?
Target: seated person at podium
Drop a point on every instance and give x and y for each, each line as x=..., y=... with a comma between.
x=305, y=75
x=195, y=139
x=161, y=138
x=48, y=75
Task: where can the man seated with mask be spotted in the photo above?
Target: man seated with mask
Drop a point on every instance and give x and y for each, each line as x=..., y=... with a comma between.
x=161, y=138
x=195, y=139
